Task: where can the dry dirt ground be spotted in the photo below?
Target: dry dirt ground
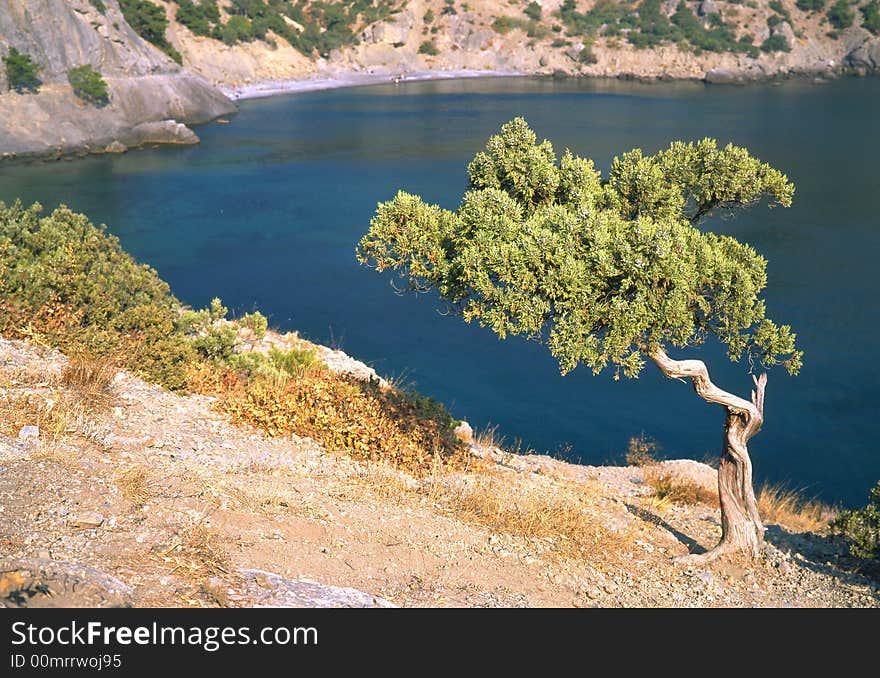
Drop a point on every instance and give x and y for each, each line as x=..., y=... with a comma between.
x=173, y=502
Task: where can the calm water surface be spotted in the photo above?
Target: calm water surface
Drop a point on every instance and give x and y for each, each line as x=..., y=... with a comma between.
x=266, y=212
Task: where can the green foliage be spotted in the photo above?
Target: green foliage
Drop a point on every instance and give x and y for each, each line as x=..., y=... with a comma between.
x=810, y=5
x=775, y=43
x=840, y=15
x=505, y=24
x=428, y=18
x=448, y=8
x=256, y=322
x=600, y=270
x=68, y=283
x=780, y=9
x=428, y=47
x=533, y=11
x=862, y=527
x=88, y=84
x=148, y=20
x=871, y=17
x=237, y=29
x=99, y=5
x=21, y=71
x=647, y=26
x=202, y=18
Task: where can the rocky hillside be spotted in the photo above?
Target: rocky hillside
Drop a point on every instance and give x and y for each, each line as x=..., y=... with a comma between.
x=131, y=495
x=713, y=39
x=151, y=98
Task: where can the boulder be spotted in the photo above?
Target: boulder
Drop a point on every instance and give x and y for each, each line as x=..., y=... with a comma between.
x=164, y=132
x=267, y=589
x=721, y=76
x=41, y=582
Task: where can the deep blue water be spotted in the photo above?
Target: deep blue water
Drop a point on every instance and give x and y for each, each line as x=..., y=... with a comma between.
x=266, y=212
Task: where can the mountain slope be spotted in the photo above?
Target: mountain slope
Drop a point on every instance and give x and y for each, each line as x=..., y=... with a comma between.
x=151, y=97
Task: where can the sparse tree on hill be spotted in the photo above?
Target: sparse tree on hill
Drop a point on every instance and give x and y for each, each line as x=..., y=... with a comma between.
x=608, y=272
x=22, y=72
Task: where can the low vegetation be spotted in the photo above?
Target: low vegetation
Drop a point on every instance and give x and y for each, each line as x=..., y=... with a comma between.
x=148, y=20
x=22, y=72
x=871, y=17
x=645, y=26
x=66, y=283
x=310, y=27
x=88, y=85
x=862, y=528
x=840, y=15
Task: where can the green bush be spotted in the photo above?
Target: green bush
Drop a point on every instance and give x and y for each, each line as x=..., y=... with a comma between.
x=237, y=29
x=775, y=43
x=99, y=5
x=428, y=47
x=871, y=17
x=429, y=17
x=21, y=71
x=862, y=527
x=533, y=11
x=780, y=9
x=256, y=322
x=505, y=24
x=68, y=283
x=88, y=84
x=810, y=5
x=840, y=15
x=148, y=20
x=200, y=18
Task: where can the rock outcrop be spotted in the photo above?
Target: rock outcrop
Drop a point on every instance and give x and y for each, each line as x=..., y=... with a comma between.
x=151, y=98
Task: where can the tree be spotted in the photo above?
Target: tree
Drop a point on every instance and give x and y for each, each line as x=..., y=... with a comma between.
x=608, y=271
x=88, y=85
x=21, y=71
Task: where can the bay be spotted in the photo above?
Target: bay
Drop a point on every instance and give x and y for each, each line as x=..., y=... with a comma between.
x=265, y=213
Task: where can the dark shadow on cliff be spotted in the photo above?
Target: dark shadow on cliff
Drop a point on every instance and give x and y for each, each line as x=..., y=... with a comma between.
x=642, y=514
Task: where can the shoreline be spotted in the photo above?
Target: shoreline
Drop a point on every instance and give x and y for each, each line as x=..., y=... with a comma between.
x=341, y=79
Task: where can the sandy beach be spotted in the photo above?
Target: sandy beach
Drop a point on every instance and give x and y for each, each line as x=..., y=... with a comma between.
x=333, y=80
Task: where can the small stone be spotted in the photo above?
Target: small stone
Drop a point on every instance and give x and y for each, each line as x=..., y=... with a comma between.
x=116, y=146
x=87, y=520
x=464, y=433
x=28, y=433
x=43, y=553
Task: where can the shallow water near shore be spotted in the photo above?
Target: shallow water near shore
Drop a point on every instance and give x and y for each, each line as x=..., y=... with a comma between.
x=266, y=212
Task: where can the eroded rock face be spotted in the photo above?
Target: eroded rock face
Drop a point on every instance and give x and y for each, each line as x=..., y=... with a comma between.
x=866, y=55
x=147, y=89
x=41, y=582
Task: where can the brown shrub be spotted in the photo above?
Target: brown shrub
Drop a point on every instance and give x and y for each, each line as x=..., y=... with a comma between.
x=358, y=417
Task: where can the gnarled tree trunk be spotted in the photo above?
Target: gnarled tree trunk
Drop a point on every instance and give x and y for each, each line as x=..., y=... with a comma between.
x=741, y=527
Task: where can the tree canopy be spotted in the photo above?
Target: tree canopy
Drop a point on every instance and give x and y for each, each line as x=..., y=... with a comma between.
x=603, y=270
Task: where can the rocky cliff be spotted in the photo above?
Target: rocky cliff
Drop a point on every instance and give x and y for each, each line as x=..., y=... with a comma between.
x=151, y=98
x=715, y=40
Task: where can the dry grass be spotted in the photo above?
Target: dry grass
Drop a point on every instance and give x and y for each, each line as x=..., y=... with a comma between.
x=565, y=516
x=641, y=451
x=670, y=488
x=89, y=381
x=197, y=554
x=135, y=485
x=32, y=409
x=792, y=510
